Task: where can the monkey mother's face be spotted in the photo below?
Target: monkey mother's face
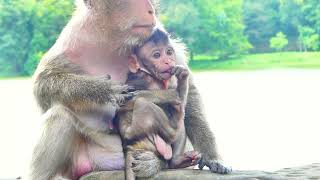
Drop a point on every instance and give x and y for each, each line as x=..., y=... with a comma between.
x=131, y=18
x=159, y=59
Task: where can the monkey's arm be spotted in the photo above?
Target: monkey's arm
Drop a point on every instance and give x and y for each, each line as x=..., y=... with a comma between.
x=145, y=118
x=60, y=81
x=199, y=133
x=158, y=97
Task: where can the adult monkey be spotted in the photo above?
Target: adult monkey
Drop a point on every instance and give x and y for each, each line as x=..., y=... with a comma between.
x=71, y=82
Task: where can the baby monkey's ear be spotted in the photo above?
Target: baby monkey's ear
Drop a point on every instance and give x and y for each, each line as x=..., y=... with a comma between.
x=133, y=63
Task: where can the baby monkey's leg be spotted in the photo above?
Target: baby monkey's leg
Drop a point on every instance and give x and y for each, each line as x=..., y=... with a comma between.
x=149, y=118
x=181, y=159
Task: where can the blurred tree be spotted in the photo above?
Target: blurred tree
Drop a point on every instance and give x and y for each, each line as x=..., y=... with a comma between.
x=216, y=28
x=264, y=18
x=49, y=19
x=16, y=33
x=279, y=41
x=262, y=21
x=311, y=13
x=212, y=27
x=28, y=29
x=308, y=38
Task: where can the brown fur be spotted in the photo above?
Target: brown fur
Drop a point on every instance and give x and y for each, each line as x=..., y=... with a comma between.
x=146, y=73
x=75, y=93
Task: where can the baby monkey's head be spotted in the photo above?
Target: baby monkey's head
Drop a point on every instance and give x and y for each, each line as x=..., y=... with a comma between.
x=156, y=56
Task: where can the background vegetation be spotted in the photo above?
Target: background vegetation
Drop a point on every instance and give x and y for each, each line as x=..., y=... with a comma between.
x=225, y=35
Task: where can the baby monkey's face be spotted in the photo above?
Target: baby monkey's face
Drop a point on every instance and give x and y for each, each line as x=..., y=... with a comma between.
x=159, y=59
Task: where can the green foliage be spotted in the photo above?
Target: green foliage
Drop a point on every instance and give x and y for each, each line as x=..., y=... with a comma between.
x=309, y=60
x=308, y=38
x=27, y=29
x=279, y=41
x=261, y=19
x=264, y=18
x=212, y=27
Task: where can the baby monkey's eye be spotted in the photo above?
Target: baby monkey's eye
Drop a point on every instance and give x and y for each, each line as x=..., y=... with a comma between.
x=156, y=55
x=170, y=51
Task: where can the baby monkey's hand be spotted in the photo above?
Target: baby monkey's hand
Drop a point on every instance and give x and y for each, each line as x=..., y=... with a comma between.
x=180, y=71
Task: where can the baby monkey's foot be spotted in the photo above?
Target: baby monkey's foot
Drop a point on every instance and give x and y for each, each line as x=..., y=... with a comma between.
x=190, y=158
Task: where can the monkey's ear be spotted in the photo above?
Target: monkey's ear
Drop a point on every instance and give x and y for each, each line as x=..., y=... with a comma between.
x=133, y=63
x=88, y=3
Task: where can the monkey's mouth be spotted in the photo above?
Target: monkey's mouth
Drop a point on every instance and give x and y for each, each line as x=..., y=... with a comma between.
x=165, y=75
x=143, y=26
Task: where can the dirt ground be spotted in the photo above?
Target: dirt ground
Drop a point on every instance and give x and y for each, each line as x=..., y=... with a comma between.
x=263, y=120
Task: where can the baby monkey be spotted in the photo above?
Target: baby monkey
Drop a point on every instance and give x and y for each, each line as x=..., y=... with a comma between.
x=153, y=68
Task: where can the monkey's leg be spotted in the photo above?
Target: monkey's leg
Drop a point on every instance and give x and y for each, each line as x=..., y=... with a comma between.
x=129, y=172
x=52, y=155
x=149, y=118
x=181, y=159
x=146, y=163
x=199, y=133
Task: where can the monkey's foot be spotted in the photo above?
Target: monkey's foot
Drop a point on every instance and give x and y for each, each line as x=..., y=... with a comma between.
x=145, y=163
x=190, y=158
x=215, y=166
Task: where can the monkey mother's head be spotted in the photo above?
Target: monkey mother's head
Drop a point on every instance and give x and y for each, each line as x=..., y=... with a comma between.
x=155, y=57
x=127, y=22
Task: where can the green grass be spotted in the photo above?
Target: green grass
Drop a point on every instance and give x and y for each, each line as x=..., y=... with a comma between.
x=15, y=78
x=309, y=60
x=282, y=60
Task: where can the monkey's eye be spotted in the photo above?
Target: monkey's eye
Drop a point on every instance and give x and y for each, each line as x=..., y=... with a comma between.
x=170, y=51
x=156, y=55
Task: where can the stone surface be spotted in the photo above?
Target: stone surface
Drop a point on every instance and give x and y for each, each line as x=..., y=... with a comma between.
x=311, y=172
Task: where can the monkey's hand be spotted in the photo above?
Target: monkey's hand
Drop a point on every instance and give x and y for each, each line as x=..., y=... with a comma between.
x=121, y=93
x=214, y=166
x=181, y=72
x=182, y=75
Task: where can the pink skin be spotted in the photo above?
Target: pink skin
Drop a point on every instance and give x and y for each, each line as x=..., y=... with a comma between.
x=82, y=165
x=163, y=148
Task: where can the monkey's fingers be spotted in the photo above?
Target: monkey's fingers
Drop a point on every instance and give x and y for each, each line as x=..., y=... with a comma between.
x=174, y=70
x=183, y=74
x=122, y=99
x=215, y=166
x=119, y=88
x=131, y=89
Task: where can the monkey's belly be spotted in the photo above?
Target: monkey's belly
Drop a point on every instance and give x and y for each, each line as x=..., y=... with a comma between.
x=143, y=144
x=154, y=144
x=107, y=158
